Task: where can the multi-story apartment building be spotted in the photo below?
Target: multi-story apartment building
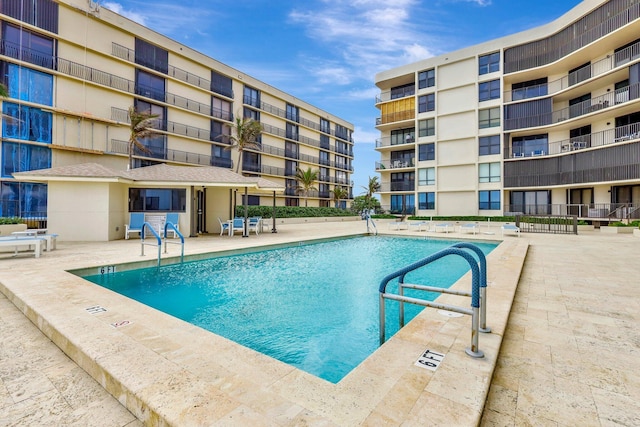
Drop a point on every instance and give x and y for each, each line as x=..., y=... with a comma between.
x=73, y=69
x=545, y=121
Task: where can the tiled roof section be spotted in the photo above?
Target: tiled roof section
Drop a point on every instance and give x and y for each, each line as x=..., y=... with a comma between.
x=167, y=173
x=87, y=170
x=200, y=175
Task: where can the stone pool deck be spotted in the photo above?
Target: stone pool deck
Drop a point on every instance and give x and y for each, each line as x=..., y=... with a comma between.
x=568, y=354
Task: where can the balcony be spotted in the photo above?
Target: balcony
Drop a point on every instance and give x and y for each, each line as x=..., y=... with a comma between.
x=584, y=211
x=396, y=117
x=593, y=105
x=395, y=164
x=387, y=187
x=621, y=58
x=597, y=139
x=122, y=147
x=398, y=93
x=389, y=141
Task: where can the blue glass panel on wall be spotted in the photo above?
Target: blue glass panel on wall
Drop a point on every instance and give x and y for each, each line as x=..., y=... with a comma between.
x=34, y=199
x=30, y=85
x=9, y=199
x=23, y=157
x=26, y=123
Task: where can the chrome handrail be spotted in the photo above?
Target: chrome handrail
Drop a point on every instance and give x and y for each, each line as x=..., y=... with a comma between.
x=173, y=226
x=157, y=236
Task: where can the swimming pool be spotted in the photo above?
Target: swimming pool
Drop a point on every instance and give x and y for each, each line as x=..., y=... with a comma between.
x=314, y=306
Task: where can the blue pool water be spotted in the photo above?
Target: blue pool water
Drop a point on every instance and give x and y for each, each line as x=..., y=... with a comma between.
x=313, y=306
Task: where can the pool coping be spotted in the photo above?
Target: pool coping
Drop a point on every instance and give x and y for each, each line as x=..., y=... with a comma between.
x=168, y=372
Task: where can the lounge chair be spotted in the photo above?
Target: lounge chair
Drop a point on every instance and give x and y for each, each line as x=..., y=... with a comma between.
x=399, y=225
x=174, y=219
x=444, y=227
x=422, y=225
x=136, y=219
x=255, y=224
x=224, y=227
x=469, y=228
x=510, y=228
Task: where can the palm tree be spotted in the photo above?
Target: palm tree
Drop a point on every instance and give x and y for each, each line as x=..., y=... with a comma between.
x=306, y=180
x=247, y=131
x=4, y=93
x=339, y=193
x=372, y=187
x=141, y=127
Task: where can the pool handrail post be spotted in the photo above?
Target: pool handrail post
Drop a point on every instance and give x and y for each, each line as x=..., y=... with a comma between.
x=157, y=236
x=482, y=259
x=166, y=227
x=473, y=350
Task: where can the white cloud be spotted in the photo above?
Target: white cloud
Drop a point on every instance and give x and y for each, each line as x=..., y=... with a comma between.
x=368, y=36
x=120, y=10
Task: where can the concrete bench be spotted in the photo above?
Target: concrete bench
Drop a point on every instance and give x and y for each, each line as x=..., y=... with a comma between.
x=28, y=241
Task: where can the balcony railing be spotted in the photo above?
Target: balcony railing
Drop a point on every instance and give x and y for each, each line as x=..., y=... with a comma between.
x=396, y=117
x=622, y=57
x=592, y=105
x=395, y=164
x=122, y=147
x=389, y=95
x=595, y=211
x=597, y=139
x=386, y=187
x=398, y=210
x=388, y=141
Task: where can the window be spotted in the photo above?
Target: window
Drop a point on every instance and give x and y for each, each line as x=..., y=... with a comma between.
x=324, y=175
x=324, y=142
x=489, y=90
x=427, y=201
x=342, y=162
x=427, y=176
x=157, y=199
x=27, y=46
x=151, y=56
x=427, y=151
x=220, y=132
x=221, y=157
x=292, y=131
x=427, y=127
x=489, y=145
x=529, y=89
x=150, y=85
x=291, y=185
x=403, y=91
x=580, y=105
x=292, y=113
x=221, y=108
x=253, y=200
x=291, y=149
x=30, y=85
x=221, y=84
x=402, y=203
x=426, y=103
x=524, y=146
x=26, y=123
x=489, y=63
x=426, y=78
x=532, y=202
x=324, y=158
x=489, y=172
x=489, y=118
x=403, y=136
x=23, y=199
x=251, y=114
x=251, y=162
x=341, y=178
x=251, y=96
x=155, y=144
x=324, y=126
x=403, y=181
x=489, y=200
x=41, y=13
x=343, y=133
x=23, y=157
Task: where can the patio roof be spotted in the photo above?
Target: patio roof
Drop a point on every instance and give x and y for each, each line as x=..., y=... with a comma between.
x=161, y=174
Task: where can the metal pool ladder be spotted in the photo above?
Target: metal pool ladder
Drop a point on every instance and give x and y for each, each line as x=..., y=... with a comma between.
x=375, y=229
x=158, y=241
x=478, y=292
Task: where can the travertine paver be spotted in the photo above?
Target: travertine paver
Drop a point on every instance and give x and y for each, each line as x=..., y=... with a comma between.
x=569, y=354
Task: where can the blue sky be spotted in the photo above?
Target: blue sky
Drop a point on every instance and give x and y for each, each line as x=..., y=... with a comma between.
x=327, y=52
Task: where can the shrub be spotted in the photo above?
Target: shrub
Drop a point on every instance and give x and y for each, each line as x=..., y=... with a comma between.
x=11, y=220
x=292, y=211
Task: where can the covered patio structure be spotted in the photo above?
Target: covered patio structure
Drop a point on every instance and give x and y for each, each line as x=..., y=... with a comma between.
x=92, y=202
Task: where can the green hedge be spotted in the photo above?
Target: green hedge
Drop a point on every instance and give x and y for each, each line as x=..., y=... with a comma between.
x=11, y=220
x=292, y=211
